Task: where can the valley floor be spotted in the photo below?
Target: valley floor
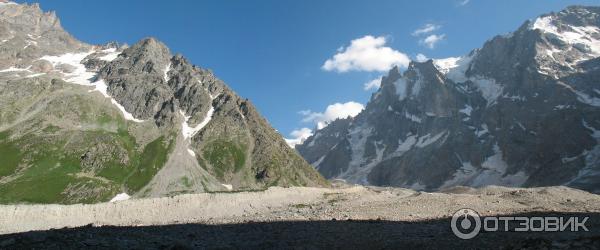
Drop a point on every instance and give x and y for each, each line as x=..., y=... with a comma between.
x=341, y=217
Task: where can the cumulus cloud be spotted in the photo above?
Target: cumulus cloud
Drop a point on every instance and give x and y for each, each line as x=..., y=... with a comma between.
x=373, y=84
x=431, y=40
x=331, y=113
x=426, y=29
x=366, y=54
x=298, y=137
x=421, y=58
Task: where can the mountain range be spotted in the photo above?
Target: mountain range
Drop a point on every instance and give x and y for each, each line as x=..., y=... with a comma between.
x=522, y=110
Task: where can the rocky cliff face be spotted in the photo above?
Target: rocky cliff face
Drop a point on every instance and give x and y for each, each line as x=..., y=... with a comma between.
x=83, y=123
x=521, y=111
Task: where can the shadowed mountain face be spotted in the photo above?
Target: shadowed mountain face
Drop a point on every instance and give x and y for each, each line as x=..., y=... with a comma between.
x=83, y=123
x=523, y=110
x=359, y=234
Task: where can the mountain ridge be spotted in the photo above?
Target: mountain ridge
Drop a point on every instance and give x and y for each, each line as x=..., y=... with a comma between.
x=520, y=111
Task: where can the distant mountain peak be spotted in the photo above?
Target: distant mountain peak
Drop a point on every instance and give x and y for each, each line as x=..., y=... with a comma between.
x=514, y=112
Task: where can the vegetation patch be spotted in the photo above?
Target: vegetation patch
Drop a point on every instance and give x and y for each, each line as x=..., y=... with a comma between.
x=10, y=156
x=53, y=172
x=186, y=182
x=225, y=157
x=44, y=181
x=151, y=161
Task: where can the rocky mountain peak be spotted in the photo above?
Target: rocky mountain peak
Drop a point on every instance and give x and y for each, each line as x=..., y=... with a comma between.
x=392, y=75
x=29, y=17
x=152, y=46
x=27, y=33
x=500, y=115
x=149, y=55
x=142, y=122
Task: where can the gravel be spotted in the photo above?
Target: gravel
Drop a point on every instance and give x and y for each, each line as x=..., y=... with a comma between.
x=342, y=217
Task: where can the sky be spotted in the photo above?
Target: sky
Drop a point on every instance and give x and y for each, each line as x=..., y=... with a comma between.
x=302, y=63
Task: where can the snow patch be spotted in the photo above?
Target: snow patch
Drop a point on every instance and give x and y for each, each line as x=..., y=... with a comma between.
x=467, y=110
x=515, y=97
x=35, y=75
x=111, y=55
x=358, y=139
x=30, y=43
x=412, y=117
x=544, y=24
x=229, y=187
x=583, y=38
x=595, y=132
x=80, y=75
x=406, y=144
x=14, y=69
x=318, y=162
x=454, y=68
x=120, y=197
x=490, y=90
x=561, y=107
x=427, y=139
x=483, y=131
x=187, y=130
x=360, y=173
x=166, y=72
x=494, y=170
x=589, y=100
x=521, y=126
x=570, y=159
x=191, y=152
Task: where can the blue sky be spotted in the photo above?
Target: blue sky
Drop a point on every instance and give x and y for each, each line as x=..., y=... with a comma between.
x=272, y=51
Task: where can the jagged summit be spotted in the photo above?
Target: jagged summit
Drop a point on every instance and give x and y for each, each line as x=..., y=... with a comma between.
x=28, y=33
x=523, y=110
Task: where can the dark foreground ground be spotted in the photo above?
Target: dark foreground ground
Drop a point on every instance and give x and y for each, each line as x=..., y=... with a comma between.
x=376, y=234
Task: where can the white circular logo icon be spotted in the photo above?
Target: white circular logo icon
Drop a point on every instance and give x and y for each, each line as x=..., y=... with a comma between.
x=465, y=223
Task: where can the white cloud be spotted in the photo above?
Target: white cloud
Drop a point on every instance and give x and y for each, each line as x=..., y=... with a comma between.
x=373, y=84
x=431, y=40
x=332, y=112
x=427, y=28
x=366, y=54
x=464, y=2
x=298, y=136
x=421, y=58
